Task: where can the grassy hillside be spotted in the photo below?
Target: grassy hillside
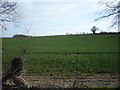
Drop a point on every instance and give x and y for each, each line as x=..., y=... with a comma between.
x=67, y=54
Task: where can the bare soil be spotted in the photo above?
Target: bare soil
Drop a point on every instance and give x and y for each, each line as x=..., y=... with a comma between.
x=80, y=81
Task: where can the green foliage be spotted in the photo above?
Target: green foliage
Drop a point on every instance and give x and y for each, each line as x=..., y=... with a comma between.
x=65, y=54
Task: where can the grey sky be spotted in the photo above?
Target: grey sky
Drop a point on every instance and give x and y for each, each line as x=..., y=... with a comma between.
x=55, y=18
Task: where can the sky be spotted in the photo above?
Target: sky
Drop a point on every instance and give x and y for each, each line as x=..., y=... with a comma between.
x=50, y=17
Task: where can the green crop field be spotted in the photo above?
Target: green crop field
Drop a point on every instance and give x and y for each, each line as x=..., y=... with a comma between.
x=65, y=54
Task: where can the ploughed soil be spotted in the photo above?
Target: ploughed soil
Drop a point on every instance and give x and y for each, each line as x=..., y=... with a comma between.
x=72, y=81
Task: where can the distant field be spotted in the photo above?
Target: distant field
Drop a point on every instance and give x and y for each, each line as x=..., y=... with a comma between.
x=67, y=54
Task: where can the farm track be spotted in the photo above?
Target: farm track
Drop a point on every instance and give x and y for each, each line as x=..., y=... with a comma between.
x=91, y=53
x=81, y=81
x=76, y=53
x=80, y=53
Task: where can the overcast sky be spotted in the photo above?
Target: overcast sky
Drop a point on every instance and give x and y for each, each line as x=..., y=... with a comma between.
x=57, y=17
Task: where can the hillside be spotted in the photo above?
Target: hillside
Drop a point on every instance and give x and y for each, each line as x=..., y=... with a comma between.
x=65, y=54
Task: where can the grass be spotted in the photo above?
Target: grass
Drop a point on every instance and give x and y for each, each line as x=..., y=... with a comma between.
x=64, y=44
x=64, y=54
x=71, y=64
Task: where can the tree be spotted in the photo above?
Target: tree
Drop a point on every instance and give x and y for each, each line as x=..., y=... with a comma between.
x=8, y=13
x=112, y=10
x=94, y=29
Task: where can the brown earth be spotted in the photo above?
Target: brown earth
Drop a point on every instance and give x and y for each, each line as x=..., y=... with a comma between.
x=81, y=81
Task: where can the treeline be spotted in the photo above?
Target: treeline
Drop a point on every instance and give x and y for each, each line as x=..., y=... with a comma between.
x=20, y=35
x=109, y=33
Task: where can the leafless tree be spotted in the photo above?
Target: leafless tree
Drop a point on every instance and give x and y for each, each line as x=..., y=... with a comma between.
x=8, y=13
x=112, y=10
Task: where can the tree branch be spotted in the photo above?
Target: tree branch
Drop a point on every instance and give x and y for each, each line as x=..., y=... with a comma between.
x=112, y=10
x=8, y=13
x=105, y=16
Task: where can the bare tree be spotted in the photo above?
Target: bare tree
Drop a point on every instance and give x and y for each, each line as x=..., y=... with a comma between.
x=8, y=13
x=112, y=10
